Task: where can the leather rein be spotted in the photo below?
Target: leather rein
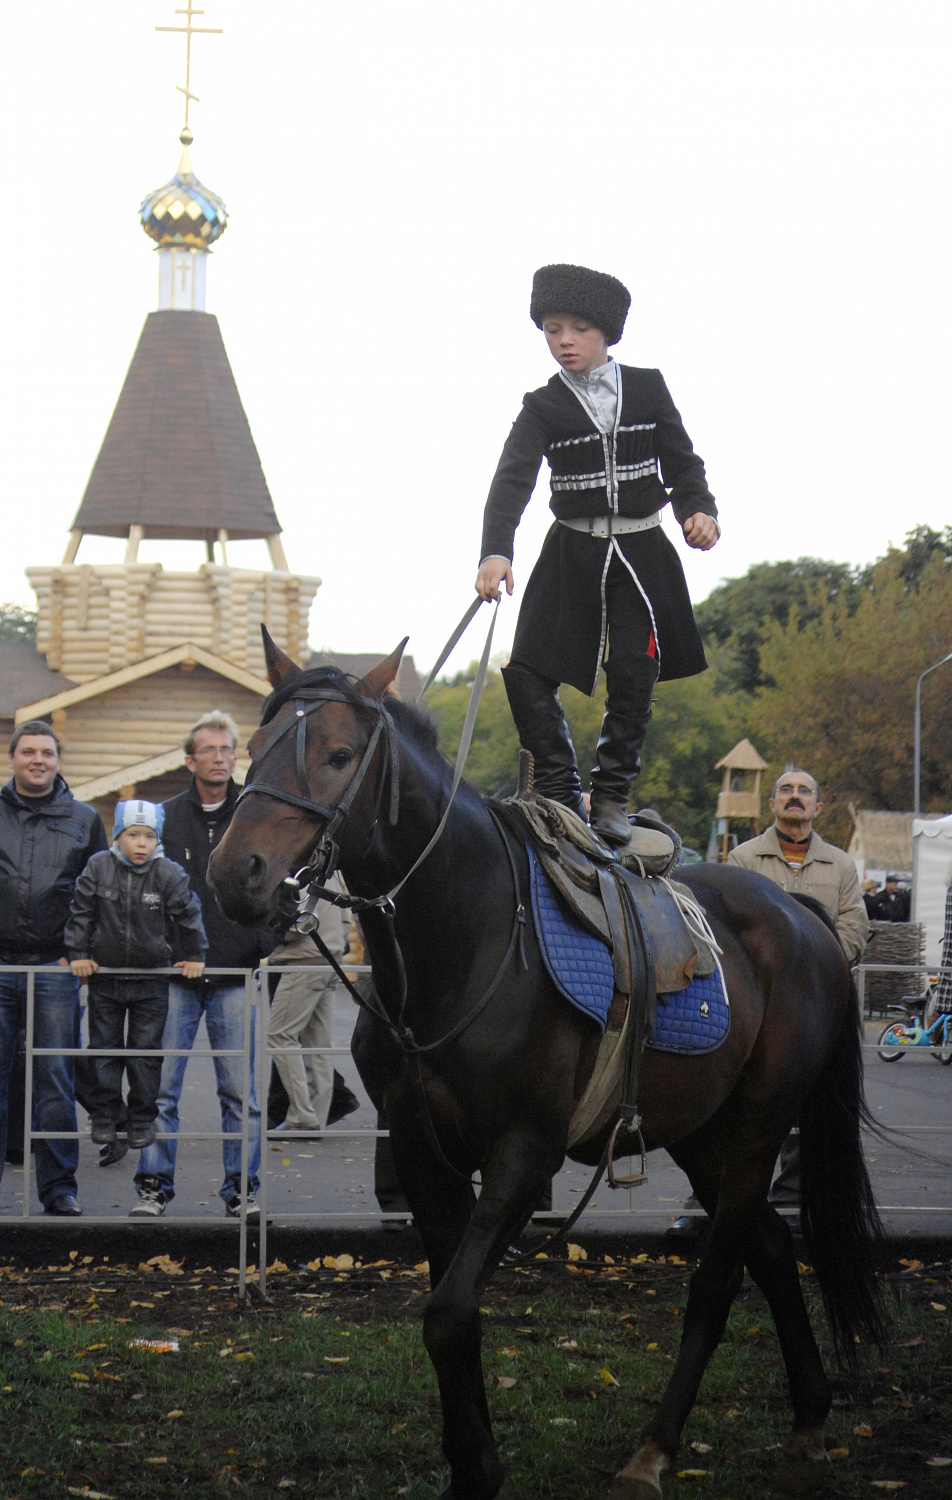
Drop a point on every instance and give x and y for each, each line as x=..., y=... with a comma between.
x=310, y=880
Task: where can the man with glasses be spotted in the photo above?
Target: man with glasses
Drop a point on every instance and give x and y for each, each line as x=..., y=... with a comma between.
x=793, y=856
x=195, y=822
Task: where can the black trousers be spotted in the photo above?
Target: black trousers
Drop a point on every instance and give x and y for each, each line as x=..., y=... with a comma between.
x=126, y=1013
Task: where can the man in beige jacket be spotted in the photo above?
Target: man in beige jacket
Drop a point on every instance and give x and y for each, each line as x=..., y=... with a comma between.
x=797, y=859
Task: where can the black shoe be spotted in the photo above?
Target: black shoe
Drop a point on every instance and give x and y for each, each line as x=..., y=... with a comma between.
x=688, y=1227
x=64, y=1206
x=140, y=1136
x=609, y=819
x=538, y=716
x=343, y=1101
x=103, y=1132
x=109, y=1155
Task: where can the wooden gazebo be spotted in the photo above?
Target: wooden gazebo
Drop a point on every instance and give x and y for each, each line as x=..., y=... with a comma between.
x=739, y=797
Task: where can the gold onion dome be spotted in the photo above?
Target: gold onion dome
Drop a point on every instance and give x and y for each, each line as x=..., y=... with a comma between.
x=184, y=212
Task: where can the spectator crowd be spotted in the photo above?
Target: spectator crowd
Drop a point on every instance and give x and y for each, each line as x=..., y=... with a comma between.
x=132, y=931
x=76, y=910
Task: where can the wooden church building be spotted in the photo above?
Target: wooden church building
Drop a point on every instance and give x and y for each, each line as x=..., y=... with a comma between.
x=128, y=655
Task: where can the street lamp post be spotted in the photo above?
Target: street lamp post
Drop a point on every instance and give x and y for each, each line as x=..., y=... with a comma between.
x=918, y=728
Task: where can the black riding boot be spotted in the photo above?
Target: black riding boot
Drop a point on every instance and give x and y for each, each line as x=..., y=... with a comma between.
x=618, y=756
x=537, y=711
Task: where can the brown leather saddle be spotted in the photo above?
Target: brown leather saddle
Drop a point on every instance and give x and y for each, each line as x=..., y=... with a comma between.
x=586, y=873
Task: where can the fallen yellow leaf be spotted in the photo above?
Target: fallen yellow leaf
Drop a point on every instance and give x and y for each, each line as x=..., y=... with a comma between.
x=156, y=1460
x=701, y=1447
x=652, y=1346
x=863, y=1430
x=691, y=1473
x=575, y=1252
x=423, y=1266
x=339, y=1262
x=939, y=1306
x=608, y=1377
x=173, y=1416
x=938, y=1463
x=838, y=1452
x=505, y=1382
x=337, y=1359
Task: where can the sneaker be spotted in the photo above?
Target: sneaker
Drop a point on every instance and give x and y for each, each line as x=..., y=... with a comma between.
x=151, y=1205
x=233, y=1208
x=103, y=1132
x=140, y=1136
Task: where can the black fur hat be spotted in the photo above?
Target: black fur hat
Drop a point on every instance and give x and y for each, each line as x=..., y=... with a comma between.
x=594, y=295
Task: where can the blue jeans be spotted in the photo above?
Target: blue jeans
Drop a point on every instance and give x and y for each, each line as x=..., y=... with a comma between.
x=55, y=1024
x=223, y=1006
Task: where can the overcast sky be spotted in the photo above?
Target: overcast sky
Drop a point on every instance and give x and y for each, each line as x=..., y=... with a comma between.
x=771, y=180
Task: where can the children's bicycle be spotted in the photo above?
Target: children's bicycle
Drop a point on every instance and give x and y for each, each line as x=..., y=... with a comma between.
x=899, y=1036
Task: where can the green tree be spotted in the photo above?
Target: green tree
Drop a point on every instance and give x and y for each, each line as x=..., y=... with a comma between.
x=17, y=623
x=844, y=686
x=736, y=615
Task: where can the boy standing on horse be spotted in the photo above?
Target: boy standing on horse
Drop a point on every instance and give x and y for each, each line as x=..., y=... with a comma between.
x=608, y=588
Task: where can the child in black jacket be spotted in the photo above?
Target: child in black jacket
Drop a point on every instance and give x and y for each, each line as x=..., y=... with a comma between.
x=126, y=903
x=608, y=588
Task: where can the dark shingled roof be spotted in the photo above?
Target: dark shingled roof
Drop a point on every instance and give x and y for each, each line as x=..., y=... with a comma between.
x=25, y=677
x=178, y=457
x=357, y=663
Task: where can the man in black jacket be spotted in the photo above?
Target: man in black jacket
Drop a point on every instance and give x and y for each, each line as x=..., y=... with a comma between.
x=195, y=822
x=46, y=838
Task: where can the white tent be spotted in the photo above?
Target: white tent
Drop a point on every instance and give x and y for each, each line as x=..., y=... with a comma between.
x=931, y=878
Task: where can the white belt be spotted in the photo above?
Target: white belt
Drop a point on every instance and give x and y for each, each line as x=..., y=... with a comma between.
x=608, y=526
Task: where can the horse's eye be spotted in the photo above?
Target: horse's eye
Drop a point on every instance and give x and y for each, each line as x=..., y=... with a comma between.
x=341, y=758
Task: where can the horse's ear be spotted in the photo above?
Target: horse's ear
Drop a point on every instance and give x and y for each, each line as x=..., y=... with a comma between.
x=280, y=667
x=379, y=678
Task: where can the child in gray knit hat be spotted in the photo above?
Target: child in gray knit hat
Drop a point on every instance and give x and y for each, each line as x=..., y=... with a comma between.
x=126, y=904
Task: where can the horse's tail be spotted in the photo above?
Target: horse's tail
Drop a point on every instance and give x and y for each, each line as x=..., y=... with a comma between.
x=840, y=1220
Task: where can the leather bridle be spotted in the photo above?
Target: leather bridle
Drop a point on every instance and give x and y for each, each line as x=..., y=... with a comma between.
x=307, y=700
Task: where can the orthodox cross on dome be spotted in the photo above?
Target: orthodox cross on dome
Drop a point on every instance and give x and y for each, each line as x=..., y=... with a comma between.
x=188, y=30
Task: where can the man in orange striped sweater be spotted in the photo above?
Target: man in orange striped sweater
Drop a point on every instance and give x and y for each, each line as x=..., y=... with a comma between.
x=794, y=857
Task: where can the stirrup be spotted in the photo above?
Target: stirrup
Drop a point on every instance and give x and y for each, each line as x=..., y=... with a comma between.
x=635, y=1179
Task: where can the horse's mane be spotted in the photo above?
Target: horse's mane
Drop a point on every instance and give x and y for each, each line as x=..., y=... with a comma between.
x=415, y=722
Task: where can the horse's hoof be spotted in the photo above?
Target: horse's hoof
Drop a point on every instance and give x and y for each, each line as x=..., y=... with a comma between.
x=641, y=1479
x=624, y=1488
x=806, y=1465
x=506, y=1493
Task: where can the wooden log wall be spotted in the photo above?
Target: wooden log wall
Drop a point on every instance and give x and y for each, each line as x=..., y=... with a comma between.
x=93, y=619
x=148, y=718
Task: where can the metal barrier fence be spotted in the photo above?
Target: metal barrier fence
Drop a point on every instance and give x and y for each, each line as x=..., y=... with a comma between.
x=256, y=998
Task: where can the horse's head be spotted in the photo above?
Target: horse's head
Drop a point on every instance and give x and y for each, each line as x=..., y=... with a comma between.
x=317, y=761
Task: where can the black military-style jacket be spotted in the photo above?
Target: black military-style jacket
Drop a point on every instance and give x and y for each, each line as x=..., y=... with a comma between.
x=44, y=844
x=125, y=916
x=634, y=471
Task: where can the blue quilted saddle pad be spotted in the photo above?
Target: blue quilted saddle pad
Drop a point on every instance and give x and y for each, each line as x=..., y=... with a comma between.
x=695, y=1019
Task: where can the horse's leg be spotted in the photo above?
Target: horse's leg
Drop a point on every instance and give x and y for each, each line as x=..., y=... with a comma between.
x=465, y=1244
x=771, y=1262
x=713, y=1288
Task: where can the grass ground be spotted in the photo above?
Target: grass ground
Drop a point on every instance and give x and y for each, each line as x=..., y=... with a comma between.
x=326, y=1390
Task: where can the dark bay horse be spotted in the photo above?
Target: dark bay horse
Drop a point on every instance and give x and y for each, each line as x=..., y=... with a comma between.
x=496, y=1092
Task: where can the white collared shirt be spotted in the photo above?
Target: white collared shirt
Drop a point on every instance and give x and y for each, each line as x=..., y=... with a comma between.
x=598, y=393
